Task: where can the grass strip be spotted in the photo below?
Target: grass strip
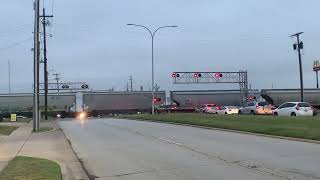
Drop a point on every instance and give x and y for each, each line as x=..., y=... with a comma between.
x=31, y=169
x=296, y=127
x=7, y=130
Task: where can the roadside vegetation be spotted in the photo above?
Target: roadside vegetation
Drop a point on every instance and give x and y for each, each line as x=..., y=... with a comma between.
x=19, y=120
x=30, y=168
x=43, y=129
x=7, y=130
x=297, y=127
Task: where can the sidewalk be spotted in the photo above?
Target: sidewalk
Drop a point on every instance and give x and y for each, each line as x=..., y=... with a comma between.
x=11, y=145
x=48, y=145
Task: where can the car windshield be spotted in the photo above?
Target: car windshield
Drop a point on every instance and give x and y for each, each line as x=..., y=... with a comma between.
x=231, y=107
x=263, y=104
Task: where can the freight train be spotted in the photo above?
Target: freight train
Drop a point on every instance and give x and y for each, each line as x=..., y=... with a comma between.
x=140, y=101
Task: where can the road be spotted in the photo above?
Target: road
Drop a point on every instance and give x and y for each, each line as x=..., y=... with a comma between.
x=114, y=149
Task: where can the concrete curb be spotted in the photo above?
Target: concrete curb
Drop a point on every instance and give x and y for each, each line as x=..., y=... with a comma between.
x=234, y=131
x=90, y=177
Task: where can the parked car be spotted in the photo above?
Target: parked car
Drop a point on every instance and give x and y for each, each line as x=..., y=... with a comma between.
x=205, y=108
x=294, y=109
x=213, y=110
x=228, y=110
x=259, y=108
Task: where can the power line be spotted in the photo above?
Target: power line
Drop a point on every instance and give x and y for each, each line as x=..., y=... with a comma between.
x=15, y=44
x=17, y=28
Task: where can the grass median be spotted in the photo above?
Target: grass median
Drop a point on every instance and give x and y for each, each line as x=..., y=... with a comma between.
x=7, y=130
x=297, y=127
x=31, y=169
x=43, y=129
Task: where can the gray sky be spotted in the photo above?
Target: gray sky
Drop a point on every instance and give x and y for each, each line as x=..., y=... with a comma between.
x=92, y=43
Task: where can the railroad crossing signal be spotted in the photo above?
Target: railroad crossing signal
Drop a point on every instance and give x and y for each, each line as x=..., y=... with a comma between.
x=156, y=99
x=240, y=77
x=66, y=86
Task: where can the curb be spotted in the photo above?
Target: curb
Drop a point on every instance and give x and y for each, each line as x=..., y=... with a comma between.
x=89, y=176
x=235, y=131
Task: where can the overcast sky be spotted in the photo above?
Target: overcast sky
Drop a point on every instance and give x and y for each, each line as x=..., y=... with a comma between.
x=91, y=42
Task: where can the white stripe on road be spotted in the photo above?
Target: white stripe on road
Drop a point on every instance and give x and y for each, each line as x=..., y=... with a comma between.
x=170, y=141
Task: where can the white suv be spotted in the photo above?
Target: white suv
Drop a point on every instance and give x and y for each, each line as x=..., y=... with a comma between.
x=294, y=109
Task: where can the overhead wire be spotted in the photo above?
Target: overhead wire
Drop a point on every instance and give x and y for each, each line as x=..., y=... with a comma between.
x=15, y=44
x=16, y=29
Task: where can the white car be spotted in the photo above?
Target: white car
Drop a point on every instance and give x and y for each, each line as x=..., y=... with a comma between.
x=228, y=110
x=207, y=108
x=294, y=109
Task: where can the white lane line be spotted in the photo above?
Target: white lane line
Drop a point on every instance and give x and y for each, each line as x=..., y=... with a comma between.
x=170, y=141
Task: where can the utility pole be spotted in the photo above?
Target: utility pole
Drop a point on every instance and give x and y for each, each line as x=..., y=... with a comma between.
x=44, y=24
x=130, y=79
x=36, y=118
x=298, y=46
x=9, y=82
x=57, y=79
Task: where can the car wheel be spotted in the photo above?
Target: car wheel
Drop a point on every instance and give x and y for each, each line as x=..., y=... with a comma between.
x=252, y=113
x=275, y=114
x=293, y=114
x=239, y=112
x=225, y=113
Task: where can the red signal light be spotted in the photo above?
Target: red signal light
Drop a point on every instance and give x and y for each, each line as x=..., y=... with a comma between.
x=218, y=75
x=195, y=75
x=156, y=99
x=174, y=75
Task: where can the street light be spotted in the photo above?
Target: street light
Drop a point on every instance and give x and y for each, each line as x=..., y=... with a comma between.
x=152, y=34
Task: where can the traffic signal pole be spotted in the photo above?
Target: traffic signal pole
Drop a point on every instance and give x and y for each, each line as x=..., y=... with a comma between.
x=300, y=46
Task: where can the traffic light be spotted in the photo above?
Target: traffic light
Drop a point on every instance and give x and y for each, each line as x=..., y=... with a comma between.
x=294, y=46
x=175, y=75
x=156, y=99
x=197, y=75
x=252, y=98
x=85, y=86
x=65, y=86
x=301, y=45
x=218, y=75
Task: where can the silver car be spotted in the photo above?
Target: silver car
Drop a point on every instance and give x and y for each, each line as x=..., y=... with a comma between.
x=254, y=107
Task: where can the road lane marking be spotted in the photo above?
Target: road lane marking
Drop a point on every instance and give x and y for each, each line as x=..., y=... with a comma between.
x=170, y=141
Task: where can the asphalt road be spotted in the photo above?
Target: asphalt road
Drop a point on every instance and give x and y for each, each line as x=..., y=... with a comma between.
x=124, y=149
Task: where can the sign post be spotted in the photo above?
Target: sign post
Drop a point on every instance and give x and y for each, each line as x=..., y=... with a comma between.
x=316, y=68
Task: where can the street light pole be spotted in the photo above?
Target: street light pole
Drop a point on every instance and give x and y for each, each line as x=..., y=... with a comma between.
x=152, y=34
x=317, y=79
